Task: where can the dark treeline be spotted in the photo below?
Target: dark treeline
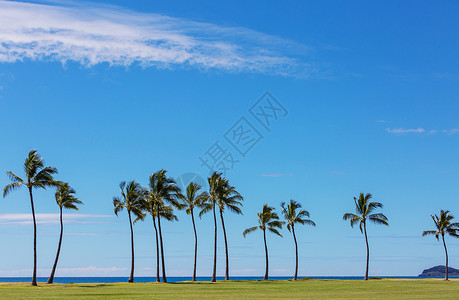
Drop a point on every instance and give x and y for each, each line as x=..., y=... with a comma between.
x=162, y=197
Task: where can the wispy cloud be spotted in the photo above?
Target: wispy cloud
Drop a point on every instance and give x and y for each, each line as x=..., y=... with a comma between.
x=91, y=34
x=49, y=219
x=405, y=131
x=451, y=131
x=276, y=174
x=400, y=131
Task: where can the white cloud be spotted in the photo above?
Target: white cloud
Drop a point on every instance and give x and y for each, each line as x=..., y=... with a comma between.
x=404, y=131
x=49, y=219
x=91, y=34
x=451, y=131
x=400, y=131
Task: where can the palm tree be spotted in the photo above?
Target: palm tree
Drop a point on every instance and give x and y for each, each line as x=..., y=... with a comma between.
x=132, y=198
x=231, y=199
x=267, y=219
x=364, y=210
x=444, y=226
x=193, y=198
x=162, y=190
x=37, y=176
x=293, y=216
x=215, y=191
x=65, y=198
x=166, y=212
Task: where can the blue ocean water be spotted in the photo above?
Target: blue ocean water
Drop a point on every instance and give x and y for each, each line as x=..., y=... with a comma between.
x=176, y=279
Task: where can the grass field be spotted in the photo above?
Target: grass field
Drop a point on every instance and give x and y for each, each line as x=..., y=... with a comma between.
x=313, y=289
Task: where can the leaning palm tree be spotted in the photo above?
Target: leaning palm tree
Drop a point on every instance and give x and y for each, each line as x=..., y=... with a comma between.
x=215, y=191
x=37, y=176
x=193, y=198
x=163, y=190
x=132, y=198
x=166, y=212
x=293, y=214
x=364, y=210
x=267, y=219
x=444, y=226
x=231, y=199
x=65, y=198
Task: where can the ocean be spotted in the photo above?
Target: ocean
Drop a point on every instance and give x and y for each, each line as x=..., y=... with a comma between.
x=179, y=279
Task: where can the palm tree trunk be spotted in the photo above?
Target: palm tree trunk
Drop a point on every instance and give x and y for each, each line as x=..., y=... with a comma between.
x=34, y=276
x=162, y=248
x=266, y=252
x=296, y=254
x=51, y=277
x=446, y=253
x=131, y=276
x=195, y=246
x=214, y=273
x=226, y=247
x=368, y=251
x=157, y=249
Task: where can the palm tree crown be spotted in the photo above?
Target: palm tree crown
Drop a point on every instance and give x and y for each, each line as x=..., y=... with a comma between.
x=293, y=216
x=267, y=219
x=229, y=197
x=364, y=210
x=37, y=176
x=65, y=196
x=164, y=189
x=193, y=198
x=443, y=225
x=132, y=198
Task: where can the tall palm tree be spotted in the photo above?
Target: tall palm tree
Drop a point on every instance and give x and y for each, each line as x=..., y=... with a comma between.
x=166, y=212
x=193, y=198
x=267, y=219
x=293, y=214
x=364, y=211
x=132, y=198
x=444, y=226
x=163, y=190
x=229, y=198
x=65, y=198
x=215, y=191
x=37, y=176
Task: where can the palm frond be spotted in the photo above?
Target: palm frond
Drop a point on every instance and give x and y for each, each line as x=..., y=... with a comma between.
x=275, y=224
x=273, y=230
x=11, y=187
x=207, y=208
x=13, y=177
x=118, y=205
x=429, y=232
x=249, y=230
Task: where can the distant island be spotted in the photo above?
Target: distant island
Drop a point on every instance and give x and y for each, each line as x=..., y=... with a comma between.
x=439, y=271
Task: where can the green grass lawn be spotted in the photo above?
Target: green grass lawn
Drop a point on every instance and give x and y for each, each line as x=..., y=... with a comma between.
x=314, y=289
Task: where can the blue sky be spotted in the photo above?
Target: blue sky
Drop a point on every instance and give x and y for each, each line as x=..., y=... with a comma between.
x=114, y=90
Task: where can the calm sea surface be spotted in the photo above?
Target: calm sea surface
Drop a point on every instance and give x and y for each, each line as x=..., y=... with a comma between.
x=173, y=279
